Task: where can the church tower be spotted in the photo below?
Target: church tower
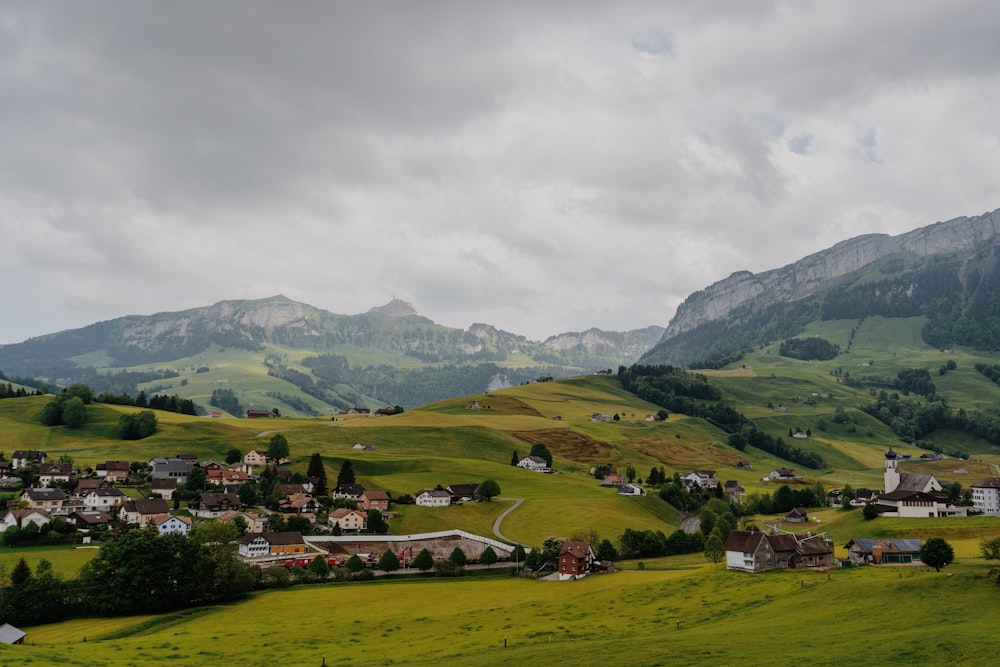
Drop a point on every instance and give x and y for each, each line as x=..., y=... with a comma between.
x=891, y=474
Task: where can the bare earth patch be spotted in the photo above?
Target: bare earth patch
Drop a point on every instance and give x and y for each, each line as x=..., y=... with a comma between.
x=569, y=444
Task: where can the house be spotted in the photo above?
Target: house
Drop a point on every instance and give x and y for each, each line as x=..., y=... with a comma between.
x=864, y=496
x=255, y=523
x=614, y=479
x=734, y=490
x=255, y=458
x=54, y=473
x=385, y=412
x=797, y=515
x=226, y=477
x=653, y=418
x=364, y=446
x=211, y=505
x=26, y=457
x=85, y=485
x=895, y=551
x=262, y=545
x=142, y=512
x=86, y=520
x=374, y=500
x=113, y=471
x=167, y=524
x=432, y=498
x=11, y=635
x=259, y=414
x=782, y=475
x=835, y=497
x=575, y=559
x=174, y=468
x=299, y=503
x=630, y=489
x=348, y=492
x=165, y=488
x=917, y=504
x=743, y=465
x=350, y=521
x=213, y=413
x=463, y=493
x=51, y=500
x=704, y=479
x=986, y=496
x=22, y=518
x=103, y=498
x=473, y=405
x=359, y=411
x=757, y=551
x=536, y=463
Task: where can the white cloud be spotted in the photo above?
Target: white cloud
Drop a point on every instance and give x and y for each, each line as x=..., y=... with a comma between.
x=541, y=167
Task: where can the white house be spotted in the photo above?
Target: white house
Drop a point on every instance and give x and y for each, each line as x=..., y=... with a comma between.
x=986, y=496
x=350, y=521
x=22, y=518
x=536, y=463
x=102, y=499
x=916, y=505
x=432, y=498
x=167, y=524
x=630, y=489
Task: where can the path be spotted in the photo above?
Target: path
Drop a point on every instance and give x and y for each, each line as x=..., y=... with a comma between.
x=503, y=515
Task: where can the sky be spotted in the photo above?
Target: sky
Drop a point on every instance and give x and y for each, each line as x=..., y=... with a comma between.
x=543, y=167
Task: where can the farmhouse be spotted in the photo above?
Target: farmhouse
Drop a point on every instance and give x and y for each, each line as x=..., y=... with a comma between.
x=782, y=475
x=536, y=463
x=299, y=503
x=142, y=512
x=462, y=493
x=630, y=489
x=348, y=492
x=896, y=551
x=364, y=446
x=705, y=479
x=575, y=559
x=757, y=551
x=432, y=498
x=349, y=521
x=262, y=545
x=25, y=457
x=797, y=515
x=986, y=496
x=259, y=414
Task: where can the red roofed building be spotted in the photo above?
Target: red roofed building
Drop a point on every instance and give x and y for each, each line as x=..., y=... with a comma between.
x=575, y=559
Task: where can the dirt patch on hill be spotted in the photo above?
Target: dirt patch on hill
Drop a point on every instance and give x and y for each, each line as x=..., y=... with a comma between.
x=682, y=454
x=570, y=444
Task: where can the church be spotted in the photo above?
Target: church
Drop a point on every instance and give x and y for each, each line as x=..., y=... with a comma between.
x=912, y=495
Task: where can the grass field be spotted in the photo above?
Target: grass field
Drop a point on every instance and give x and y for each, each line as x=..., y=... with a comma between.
x=694, y=616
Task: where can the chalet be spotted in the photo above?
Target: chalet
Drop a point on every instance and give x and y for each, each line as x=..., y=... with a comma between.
x=463, y=493
x=349, y=521
x=102, y=499
x=167, y=524
x=630, y=489
x=50, y=474
x=164, y=488
x=259, y=414
x=835, y=497
x=734, y=490
x=986, y=496
x=374, y=500
x=289, y=489
x=227, y=477
x=359, y=411
x=432, y=498
x=87, y=520
x=757, y=551
x=535, y=463
x=51, y=500
x=211, y=505
x=704, y=479
x=613, y=480
x=895, y=551
x=797, y=515
x=25, y=457
x=255, y=458
x=299, y=503
x=21, y=518
x=348, y=492
x=262, y=545
x=173, y=468
x=11, y=635
x=743, y=465
x=213, y=413
x=385, y=412
x=782, y=475
x=364, y=446
x=113, y=471
x=575, y=559
x=142, y=512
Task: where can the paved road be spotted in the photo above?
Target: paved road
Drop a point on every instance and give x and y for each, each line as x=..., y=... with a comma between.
x=503, y=515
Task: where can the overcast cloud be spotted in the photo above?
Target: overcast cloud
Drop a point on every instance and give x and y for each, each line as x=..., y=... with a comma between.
x=539, y=166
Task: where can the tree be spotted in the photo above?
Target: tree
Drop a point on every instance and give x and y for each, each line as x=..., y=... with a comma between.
x=376, y=524
x=21, y=573
x=870, y=511
x=488, y=489
x=488, y=557
x=319, y=568
x=389, y=562
x=196, y=480
x=74, y=413
x=458, y=557
x=662, y=414
x=346, y=474
x=233, y=455
x=277, y=450
x=990, y=548
x=248, y=494
x=606, y=550
x=518, y=555
x=514, y=458
x=937, y=553
x=630, y=473
x=354, y=563
x=714, y=549
x=424, y=560
x=317, y=471
x=541, y=451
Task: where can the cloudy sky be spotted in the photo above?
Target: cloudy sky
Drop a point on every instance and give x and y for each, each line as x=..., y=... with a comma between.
x=540, y=166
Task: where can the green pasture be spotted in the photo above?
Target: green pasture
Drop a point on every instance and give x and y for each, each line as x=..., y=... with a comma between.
x=66, y=559
x=694, y=616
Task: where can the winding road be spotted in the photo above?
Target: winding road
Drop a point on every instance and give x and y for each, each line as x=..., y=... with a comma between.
x=503, y=515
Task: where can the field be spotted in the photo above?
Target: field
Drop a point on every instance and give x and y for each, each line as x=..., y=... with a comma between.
x=678, y=617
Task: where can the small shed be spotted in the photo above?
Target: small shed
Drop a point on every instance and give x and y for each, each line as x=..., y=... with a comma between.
x=11, y=635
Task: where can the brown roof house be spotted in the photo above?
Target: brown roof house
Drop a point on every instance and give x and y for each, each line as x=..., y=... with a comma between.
x=142, y=512
x=575, y=560
x=263, y=545
x=757, y=551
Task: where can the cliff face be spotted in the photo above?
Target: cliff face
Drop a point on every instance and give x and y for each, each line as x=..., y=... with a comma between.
x=819, y=270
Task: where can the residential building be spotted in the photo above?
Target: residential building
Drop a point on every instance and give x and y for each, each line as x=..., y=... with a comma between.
x=986, y=496
x=211, y=505
x=350, y=521
x=113, y=471
x=50, y=474
x=51, y=500
x=894, y=551
x=374, y=500
x=25, y=457
x=432, y=498
x=536, y=463
x=142, y=512
x=262, y=545
x=575, y=559
x=21, y=518
x=173, y=468
x=102, y=499
x=167, y=524
x=758, y=551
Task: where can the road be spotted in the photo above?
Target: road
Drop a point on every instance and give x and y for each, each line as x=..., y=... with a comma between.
x=503, y=515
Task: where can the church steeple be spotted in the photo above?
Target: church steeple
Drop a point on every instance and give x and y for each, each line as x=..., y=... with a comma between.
x=890, y=473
